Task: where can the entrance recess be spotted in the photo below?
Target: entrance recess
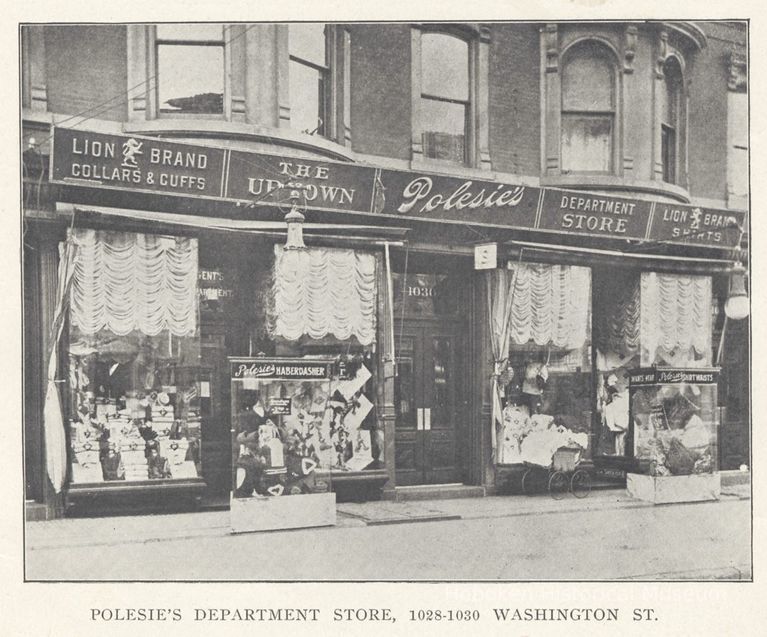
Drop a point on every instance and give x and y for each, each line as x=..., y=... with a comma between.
x=428, y=402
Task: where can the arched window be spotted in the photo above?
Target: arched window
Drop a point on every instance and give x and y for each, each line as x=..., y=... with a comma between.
x=309, y=78
x=588, y=109
x=445, y=96
x=670, y=109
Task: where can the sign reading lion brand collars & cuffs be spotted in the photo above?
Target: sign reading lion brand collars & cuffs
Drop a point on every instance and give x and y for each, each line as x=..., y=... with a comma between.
x=133, y=163
x=154, y=165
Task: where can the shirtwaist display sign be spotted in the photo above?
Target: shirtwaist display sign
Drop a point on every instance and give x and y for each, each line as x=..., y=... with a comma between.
x=675, y=428
x=284, y=443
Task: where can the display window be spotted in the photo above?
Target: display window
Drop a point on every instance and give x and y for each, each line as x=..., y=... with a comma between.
x=135, y=386
x=643, y=318
x=546, y=378
x=322, y=302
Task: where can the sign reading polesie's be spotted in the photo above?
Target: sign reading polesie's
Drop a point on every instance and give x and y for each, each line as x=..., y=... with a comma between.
x=147, y=164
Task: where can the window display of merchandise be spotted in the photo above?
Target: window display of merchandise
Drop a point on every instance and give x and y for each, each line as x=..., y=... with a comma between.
x=119, y=432
x=291, y=433
x=675, y=420
x=546, y=408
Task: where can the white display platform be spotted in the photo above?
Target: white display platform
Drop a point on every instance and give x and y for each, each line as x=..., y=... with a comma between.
x=282, y=512
x=667, y=489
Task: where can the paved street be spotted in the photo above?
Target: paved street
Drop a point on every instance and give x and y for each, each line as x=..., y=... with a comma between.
x=607, y=536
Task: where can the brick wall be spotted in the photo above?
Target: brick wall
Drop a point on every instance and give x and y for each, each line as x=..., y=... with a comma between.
x=708, y=112
x=515, y=99
x=85, y=66
x=380, y=107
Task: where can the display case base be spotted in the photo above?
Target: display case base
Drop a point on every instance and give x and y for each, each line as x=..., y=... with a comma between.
x=668, y=489
x=247, y=515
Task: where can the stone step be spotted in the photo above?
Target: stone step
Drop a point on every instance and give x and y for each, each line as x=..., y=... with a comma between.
x=437, y=492
x=35, y=511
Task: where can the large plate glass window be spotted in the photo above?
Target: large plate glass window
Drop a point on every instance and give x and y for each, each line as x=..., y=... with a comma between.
x=546, y=378
x=190, y=69
x=135, y=387
x=323, y=302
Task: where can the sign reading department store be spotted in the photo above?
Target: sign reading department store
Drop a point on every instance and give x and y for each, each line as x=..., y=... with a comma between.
x=154, y=165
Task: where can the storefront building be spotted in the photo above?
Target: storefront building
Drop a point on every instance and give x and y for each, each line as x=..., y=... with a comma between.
x=489, y=247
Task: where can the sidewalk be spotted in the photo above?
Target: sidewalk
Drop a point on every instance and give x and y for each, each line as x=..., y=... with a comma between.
x=107, y=531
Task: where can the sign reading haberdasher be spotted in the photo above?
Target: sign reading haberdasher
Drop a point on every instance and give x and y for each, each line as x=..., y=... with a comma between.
x=148, y=164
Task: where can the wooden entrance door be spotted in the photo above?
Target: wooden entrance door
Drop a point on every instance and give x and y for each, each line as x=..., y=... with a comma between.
x=427, y=403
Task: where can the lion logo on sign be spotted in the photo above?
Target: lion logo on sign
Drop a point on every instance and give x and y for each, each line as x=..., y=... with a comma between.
x=695, y=218
x=131, y=148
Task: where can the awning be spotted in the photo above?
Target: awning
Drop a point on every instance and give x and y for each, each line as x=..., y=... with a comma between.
x=250, y=226
x=533, y=251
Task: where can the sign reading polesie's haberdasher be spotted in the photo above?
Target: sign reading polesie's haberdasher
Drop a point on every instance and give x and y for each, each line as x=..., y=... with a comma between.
x=147, y=164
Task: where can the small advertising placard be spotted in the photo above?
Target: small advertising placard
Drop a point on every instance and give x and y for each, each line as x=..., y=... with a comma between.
x=486, y=256
x=279, y=406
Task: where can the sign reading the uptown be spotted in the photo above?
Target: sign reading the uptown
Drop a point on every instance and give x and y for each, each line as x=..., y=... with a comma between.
x=148, y=164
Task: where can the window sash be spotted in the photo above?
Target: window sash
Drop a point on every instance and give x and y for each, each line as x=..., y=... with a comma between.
x=165, y=111
x=668, y=153
x=323, y=96
x=430, y=139
x=573, y=156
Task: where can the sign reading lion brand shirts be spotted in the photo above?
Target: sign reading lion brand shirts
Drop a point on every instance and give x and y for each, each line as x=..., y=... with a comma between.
x=688, y=224
x=155, y=165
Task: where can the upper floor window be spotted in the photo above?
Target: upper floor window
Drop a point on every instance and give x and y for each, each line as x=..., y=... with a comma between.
x=190, y=69
x=588, y=109
x=309, y=75
x=445, y=97
x=670, y=97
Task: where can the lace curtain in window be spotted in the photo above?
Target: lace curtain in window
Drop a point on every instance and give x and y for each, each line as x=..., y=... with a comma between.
x=324, y=291
x=127, y=282
x=551, y=305
x=675, y=319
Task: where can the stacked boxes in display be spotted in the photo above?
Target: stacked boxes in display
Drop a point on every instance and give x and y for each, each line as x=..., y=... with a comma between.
x=176, y=453
x=87, y=466
x=134, y=459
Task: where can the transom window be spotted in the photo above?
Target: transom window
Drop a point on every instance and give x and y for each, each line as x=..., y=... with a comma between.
x=190, y=69
x=309, y=78
x=588, y=110
x=445, y=96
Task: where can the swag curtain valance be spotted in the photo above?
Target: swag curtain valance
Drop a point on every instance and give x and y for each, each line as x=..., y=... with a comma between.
x=323, y=292
x=127, y=282
x=550, y=305
x=675, y=315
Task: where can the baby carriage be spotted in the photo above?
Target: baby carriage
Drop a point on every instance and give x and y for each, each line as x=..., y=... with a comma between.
x=564, y=474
